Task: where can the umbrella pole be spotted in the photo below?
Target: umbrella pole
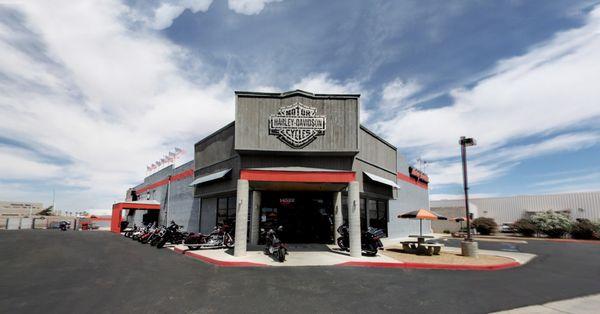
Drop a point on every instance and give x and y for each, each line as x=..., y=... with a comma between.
x=421, y=227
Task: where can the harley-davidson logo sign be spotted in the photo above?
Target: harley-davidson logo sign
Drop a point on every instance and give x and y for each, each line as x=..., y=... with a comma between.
x=297, y=125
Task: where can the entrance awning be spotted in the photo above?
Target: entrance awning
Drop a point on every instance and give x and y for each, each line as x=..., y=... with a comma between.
x=115, y=224
x=381, y=180
x=211, y=177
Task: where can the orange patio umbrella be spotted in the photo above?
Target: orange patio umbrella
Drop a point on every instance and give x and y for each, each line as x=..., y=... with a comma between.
x=422, y=214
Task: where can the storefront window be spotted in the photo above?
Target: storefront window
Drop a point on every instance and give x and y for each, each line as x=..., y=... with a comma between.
x=226, y=210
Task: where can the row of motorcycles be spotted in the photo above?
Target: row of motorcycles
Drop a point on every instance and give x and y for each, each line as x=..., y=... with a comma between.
x=221, y=237
x=160, y=235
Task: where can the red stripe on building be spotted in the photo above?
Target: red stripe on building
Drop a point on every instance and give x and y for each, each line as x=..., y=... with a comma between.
x=298, y=176
x=412, y=180
x=176, y=177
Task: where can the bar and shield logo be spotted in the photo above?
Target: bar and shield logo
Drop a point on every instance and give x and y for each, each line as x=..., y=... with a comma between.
x=297, y=125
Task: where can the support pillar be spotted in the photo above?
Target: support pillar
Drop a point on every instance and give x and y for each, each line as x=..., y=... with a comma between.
x=338, y=218
x=241, y=218
x=354, y=218
x=255, y=217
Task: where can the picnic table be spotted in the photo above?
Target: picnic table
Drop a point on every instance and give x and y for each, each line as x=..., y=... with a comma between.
x=420, y=247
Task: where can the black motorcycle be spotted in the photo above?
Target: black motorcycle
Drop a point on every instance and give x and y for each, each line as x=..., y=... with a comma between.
x=370, y=240
x=172, y=234
x=64, y=225
x=274, y=246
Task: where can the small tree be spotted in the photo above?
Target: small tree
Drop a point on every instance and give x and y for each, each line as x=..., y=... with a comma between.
x=485, y=225
x=552, y=224
x=584, y=229
x=47, y=212
x=525, y=227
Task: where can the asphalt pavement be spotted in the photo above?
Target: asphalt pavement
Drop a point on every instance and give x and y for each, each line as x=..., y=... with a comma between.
x=99, y=272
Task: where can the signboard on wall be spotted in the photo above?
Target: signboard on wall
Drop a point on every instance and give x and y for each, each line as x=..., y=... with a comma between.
x=297, y=125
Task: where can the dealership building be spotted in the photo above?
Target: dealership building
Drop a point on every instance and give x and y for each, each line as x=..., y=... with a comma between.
x=298, y=160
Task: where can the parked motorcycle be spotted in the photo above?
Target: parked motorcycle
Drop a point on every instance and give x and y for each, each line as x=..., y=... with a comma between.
x=154, y=235
x=370, y=240
x=142, y=232
x=64, y=225
x=218, y=238
x=127, y=232
x=274, y=246
x=172, y=235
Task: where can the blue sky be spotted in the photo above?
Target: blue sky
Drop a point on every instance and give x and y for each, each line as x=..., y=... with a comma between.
x=92, y=92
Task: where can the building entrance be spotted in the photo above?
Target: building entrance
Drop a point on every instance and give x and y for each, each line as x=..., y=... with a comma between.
x=306, y=217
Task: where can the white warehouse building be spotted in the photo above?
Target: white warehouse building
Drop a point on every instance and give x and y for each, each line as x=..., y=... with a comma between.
x=512, y=208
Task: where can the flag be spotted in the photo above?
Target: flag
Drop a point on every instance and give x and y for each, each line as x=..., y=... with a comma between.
x=179, y=151
x=148, y=168
x=172, y=155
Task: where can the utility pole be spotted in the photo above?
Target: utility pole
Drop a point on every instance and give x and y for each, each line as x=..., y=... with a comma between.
x=469, y=248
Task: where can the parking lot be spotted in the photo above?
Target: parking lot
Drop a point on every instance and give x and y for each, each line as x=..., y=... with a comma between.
x=99, y=272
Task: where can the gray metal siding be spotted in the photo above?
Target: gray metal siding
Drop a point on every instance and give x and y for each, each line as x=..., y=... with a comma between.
x=321, y=162
x=510, y=209
x=252, y=124
x=375, y=151
x=410, y=197
x=181, y=202
x=208, y=214
x=215, y=148
x=373, y=188
x=227, y=184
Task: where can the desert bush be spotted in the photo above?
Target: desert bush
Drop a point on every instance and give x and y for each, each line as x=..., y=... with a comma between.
x=584, y=229
x=552, y=224
x=525, y=227
x=484, y=225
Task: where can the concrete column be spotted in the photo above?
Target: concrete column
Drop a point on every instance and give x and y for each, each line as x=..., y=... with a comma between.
x=338, y=218
x=255, y=217
x=241, y=218
x=354, y=219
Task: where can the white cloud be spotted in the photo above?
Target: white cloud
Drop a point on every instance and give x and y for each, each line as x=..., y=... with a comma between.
x=321, y=83
x=249, y=7
x=106, y=98
x=397, y=94
x=549, y=90
x=163, y=15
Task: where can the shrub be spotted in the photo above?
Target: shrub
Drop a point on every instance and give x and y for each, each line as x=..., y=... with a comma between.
x=484, y=225
x=584, y=229
x=552, y=224
x=525, y=227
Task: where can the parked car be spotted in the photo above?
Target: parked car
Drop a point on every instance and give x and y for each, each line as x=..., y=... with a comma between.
x=507, y=227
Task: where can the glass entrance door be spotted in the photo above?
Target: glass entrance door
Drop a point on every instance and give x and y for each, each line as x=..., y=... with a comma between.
x=306, y=217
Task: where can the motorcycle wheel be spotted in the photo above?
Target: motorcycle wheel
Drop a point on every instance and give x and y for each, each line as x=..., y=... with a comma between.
x=341, y=244
x=161, y=243
x=228, y=241
x=281, y=254
x=371, y=250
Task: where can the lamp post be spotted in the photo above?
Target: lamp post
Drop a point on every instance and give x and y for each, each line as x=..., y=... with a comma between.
x=469, y=248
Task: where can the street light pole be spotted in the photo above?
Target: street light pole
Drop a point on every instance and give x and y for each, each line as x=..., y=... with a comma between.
x=469, y=248
x=463, y=151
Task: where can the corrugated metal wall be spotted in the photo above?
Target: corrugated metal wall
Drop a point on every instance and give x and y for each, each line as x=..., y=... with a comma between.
x=510, y=209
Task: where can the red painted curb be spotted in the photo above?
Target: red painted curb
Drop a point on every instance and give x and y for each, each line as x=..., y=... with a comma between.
x=431, y=266
x=572, y=241
x=223, y=263
x=534, y=239
x=178, y=250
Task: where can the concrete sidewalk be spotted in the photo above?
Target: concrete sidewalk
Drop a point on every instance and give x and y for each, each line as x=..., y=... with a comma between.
x=583, y=305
